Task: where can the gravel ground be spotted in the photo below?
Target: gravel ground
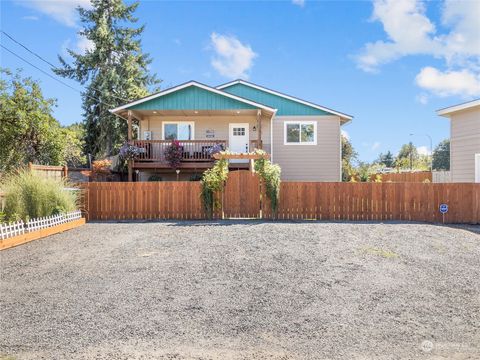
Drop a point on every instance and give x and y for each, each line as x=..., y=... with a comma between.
x=243, y=290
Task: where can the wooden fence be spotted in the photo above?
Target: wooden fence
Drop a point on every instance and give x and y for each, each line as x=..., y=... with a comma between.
x=378, y=201
x=409, y=177
x=298, y=200
x=55, y=172
x=143, y=200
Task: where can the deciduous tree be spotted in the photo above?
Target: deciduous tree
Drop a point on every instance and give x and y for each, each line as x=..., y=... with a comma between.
x=28, y=131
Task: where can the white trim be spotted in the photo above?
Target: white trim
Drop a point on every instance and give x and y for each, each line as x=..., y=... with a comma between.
x=192, y=123
x=300, y=122
x=477, y=168
x=342, y=115
x=271, y=139
x=192, y=83
x=449, y=110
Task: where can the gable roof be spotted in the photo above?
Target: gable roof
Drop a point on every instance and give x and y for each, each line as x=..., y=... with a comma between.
x=192, y=100
x=455, y=108
x=239, y=87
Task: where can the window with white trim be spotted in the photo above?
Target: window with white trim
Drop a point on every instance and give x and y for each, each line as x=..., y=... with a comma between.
x=179, y=130
x=300, y=133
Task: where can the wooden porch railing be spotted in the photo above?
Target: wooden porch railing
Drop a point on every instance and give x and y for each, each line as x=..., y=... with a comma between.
x=193, y=150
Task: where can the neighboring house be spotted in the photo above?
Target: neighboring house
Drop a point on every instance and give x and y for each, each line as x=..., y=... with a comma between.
x=302, y=137
x=464, y=140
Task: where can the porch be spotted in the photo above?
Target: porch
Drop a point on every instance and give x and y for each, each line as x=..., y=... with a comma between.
x=196, y=154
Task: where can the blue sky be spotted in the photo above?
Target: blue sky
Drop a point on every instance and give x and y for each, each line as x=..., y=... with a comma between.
x=389, y=63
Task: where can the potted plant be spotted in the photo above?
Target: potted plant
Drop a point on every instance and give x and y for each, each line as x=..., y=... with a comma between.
x=174, y=154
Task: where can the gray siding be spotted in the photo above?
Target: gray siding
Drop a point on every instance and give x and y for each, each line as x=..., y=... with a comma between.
x=319, y=162
x=465, y=143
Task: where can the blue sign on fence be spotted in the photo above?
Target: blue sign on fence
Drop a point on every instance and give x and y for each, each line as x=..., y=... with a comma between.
x=443, y=208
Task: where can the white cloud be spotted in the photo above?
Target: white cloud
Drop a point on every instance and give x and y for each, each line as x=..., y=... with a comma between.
x=375, y=146
x=422, y=98
x=81, y=45
x=447, y=83
x=84, y=44
x=232, y=58
x=300, y=3
x=423, y=150
x=408, y=30
x=63, y=11
x=346, y=134
x=30, y=17
x=411, y=32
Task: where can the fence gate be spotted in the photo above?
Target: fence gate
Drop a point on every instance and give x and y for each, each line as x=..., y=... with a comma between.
x=241, y=197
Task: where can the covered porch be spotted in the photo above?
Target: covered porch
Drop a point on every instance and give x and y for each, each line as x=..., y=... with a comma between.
x=201, y=119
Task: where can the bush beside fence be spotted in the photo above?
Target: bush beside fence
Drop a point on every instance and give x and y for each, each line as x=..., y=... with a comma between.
x=415, y=177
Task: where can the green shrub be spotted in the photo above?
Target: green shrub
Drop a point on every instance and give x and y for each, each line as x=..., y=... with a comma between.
x=270, y=174
x=155, y=177
x=196, y=177
x=213, y=180
x=29, y=195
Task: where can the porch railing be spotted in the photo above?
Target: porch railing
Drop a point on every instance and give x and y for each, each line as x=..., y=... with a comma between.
x=192, y=150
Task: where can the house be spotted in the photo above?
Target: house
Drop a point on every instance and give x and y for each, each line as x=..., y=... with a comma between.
x=464, y=140
x=302, y=137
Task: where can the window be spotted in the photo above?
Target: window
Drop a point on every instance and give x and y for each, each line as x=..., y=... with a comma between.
x=240, y=131
x=300, y=133
x=178, y=130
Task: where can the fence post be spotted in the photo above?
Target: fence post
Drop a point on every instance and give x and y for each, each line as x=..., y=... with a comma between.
x=65, y=171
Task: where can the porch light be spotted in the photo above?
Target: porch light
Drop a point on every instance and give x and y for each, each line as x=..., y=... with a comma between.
x=154, y=112
x=254, y=128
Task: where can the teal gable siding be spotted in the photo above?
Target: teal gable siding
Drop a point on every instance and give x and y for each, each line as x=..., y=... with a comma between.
x=284, y=106
x=192, y=98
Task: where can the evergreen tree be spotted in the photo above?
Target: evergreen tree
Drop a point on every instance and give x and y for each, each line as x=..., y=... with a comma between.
x=386, y=159
x=441, y=156
x=348, y=156
x=115, y=71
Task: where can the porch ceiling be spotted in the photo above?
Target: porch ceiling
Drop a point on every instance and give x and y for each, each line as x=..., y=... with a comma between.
x=142, y=114
x=195, y=112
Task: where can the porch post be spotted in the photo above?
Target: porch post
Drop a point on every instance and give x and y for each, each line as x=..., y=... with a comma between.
x=129, y=139
x=259, y=129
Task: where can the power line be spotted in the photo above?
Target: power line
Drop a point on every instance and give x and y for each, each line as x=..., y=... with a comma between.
x=49, y=63
x=30, y=51
x=53, y=77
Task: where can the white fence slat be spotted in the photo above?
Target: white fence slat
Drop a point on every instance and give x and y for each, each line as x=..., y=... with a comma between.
x=19, y=227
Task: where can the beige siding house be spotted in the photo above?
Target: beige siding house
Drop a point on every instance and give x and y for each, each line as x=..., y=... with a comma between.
x=302, y=137
x=464, y=141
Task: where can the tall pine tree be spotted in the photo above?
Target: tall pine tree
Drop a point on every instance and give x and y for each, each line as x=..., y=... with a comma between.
x=114, y=71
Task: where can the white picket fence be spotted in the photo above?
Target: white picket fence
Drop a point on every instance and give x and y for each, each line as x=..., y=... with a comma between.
x=19, y=227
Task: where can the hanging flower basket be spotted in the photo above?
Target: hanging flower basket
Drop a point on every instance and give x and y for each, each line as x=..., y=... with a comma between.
x=174, y=154
x=130, y=152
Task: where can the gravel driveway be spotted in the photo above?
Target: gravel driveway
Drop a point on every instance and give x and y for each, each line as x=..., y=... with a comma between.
x=243, y=290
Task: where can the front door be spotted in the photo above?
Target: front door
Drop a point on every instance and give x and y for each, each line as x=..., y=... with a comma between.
x=238, y=139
